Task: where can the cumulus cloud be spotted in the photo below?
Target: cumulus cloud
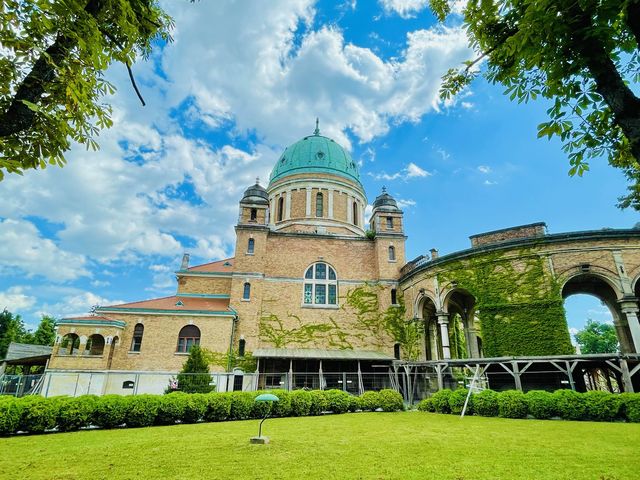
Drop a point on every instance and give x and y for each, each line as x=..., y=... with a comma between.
x=405, y=203
x=75, y=304
x=410, y=171
x=15, y=299
x=410, y=8
x=24, y=249
x=484, y=169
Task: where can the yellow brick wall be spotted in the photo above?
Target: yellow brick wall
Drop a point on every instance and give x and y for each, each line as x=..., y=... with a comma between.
x=206, y=285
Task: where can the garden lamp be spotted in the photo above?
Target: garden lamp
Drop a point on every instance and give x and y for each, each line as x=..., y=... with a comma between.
x=269, y=398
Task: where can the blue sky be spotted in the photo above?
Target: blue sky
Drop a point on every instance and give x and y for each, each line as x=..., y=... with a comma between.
x=240, y=82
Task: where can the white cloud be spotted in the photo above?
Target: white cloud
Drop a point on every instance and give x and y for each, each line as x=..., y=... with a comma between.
x=410, y=171
x=75, y=305
x=484, y=169
x=489, y=183
x=402, y=204
x=24, y=249
x=14, y=299
x=404, y=8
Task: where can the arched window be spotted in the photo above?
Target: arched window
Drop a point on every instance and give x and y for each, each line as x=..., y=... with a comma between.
x=319, y=205
x=320, y=285
x=136, y=343
x=280, y=208
x=394, y=297
x=188, y=337
x=251, y=245
x=70, y=343
x=389, y=223
x=246, y=291
x=254, y=214
x=392, y=253
x=355, y=213
x=95, y=345
x=241, y=347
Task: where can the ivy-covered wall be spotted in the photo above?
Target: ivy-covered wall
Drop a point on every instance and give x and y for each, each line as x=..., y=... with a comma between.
x=518, y=302
x=360, y=321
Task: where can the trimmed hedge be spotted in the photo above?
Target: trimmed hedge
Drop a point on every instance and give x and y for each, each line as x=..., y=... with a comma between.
x=36, y=414
x=565, y=404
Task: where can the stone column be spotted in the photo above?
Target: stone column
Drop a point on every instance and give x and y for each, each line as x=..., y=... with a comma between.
x=287, y=206
x=630, y=309
x=330, y=203
x=443, y=321
x=308, y=206
x=472, y=342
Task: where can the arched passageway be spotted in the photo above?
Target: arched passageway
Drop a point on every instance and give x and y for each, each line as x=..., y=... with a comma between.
x=464, y=331
x=604, y=290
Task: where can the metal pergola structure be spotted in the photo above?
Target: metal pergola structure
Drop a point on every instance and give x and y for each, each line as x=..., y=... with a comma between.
x=543, y=369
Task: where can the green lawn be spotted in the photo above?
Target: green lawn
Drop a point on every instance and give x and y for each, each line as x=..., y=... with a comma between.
x=363, y=445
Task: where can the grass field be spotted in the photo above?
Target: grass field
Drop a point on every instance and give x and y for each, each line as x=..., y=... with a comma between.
x=364, y=445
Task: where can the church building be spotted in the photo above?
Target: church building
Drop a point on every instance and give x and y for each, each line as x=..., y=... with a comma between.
x=310, y=288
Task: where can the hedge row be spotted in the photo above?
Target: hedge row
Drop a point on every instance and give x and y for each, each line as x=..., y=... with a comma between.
x=566, y=404
x=36, y=414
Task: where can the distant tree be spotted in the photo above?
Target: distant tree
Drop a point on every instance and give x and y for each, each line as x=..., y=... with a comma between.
x=194, y=376
x=45, y=334
x=597, y=337
x=11, y=330
x=583, y=55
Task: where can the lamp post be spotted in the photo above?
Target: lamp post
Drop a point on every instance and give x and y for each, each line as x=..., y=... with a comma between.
x=268, y=398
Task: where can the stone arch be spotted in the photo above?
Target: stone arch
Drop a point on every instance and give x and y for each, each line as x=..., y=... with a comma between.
x=95, y=344
x=460, y=305
x=605, y=290
x=112, y=349
x=427, y=311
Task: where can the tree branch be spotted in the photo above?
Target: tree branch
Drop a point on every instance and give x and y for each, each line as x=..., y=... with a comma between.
x=623, y=103
x=632, y=11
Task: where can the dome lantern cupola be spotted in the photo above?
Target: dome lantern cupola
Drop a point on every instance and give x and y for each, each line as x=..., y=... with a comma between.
x=254, y=206
x=386, y=217
x=385, y=202
x=256, y=194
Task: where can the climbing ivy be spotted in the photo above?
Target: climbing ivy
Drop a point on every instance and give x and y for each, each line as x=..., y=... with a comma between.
x=519, y=303
x=364, y=322
x=230, y=360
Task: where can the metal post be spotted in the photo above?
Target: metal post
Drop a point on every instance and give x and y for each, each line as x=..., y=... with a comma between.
x=440, y=379
x=360, y=383
x=516, y=375
x=77, y=381
x=320, y=375
x=626, y=376
x=135, y=385
x=49, y=375
x=290, y=379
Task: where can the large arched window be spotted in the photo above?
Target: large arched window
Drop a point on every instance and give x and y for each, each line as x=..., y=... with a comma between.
x=136, y=343
x=392, y=253
x=319, y=205
x=95, y=345
x=70, y=344
x=246, y=291
x=188, y=337
x=320, y=285
x=280, y=208
x=251, y=245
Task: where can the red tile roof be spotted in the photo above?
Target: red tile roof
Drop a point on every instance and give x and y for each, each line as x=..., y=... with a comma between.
x=169, y=303
x=225, y=265
x=91, y=317
x=220, y=266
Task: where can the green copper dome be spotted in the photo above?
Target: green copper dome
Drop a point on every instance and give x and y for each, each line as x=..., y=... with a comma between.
x=315, y=154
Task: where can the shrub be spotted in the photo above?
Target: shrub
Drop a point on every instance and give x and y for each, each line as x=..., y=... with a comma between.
x=457, y=399
x=426, y=405
x=281, y=408
x=195, y=376
x=218, y=407
x=195, y=407
x=142, y=410
x=354, y=403
x=541, y=404
x=370, y=401
x=38, y=413
x=630, y=409
x=260, y=409
x=241, y=405
x=440, y=401
x=485, y=403
x=570, y=405
x=10, y=415
x=75, y=413
x=110, y=411
x=171, y=408
x=319, y=402
x=338, y=401
x=512, y=404
x=390, y=400
x=300, y=403
x=602, y=406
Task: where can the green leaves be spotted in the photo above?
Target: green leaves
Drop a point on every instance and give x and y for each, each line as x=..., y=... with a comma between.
x=51, y=84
